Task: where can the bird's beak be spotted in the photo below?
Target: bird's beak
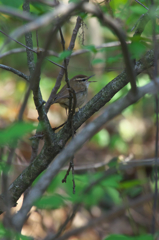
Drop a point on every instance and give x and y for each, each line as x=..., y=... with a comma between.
x=90, y=77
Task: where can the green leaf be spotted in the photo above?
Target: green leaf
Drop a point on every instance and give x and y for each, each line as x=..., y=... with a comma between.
x=61, y=57
x=117, y=4
x=138, y=9
x=83, y=15
x=137, y=49
x=38, y=9
x=113, y=162
x=65, y=54
x=91, y=48
x=11, y=3
x=93, y=197
x=112, y=181
x=74, y=1
x=114, y=59
x=114, y=194
x=132, y=183
x=104, y=9
x=117, y=142
x=124, y=237
x=56, y=183
x=4, y=167
x=9, y=234
x=13, y=133
x=102, y=138
x=133, y=192
x=50, y=202
x=98, y=60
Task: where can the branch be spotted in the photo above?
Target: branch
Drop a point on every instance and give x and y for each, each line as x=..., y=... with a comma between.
x=108, y=216
x=112, y=110
x=9, y=37
x=104, y=45
x=48, y=3
x=62, y=10
x=115, y=27
x=53, y=53
x=23, y=106
x=59, y=140
x=12, y=11
x=13, y=70
x=141, y=4
x=62, y=71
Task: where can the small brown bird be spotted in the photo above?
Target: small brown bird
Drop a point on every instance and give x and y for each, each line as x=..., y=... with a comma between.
x=80, y=85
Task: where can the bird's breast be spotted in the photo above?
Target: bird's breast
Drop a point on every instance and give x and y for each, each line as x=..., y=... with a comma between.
x=81, y=98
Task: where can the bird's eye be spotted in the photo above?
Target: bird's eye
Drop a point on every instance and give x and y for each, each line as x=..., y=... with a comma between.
x=83, y=79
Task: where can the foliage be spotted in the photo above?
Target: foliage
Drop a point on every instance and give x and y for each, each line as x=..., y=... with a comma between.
x=14, y=133
x=9, y=234
x=118, y=237
x=131, y=132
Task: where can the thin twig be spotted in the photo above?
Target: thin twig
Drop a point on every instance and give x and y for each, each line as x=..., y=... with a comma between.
x=62, y=71
x=67, y=173
x=23, y=106
x=141, y=23
x=141, y=4
x=55, y=63
x=15, y=71
x=63, y=226
x=37, y=41
x=108, y=216
x=31, y=49
x=5, y=183
x=31, y=66
x=87, y=132
x=62, y=10
x=20, y=50
x=44, y=159
x=73, y=132
x=11, y=38
x=72, y=96
x=53, y=53
x=66, y=72
x=114, y=26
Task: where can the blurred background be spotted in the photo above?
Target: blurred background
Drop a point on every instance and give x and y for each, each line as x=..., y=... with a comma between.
x=131, y=135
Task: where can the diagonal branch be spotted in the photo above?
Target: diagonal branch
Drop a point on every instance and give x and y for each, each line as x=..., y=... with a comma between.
x=13, y=12
x=27, y=47
x=15, y=71
x=11, y=38
x=62, y=10
x=112, y=110
x=46, y=2
x=48, y=153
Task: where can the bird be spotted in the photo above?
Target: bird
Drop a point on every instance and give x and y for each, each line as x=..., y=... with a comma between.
x=80, y=85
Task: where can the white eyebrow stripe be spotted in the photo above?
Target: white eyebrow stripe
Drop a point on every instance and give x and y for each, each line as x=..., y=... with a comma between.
x=80, y=79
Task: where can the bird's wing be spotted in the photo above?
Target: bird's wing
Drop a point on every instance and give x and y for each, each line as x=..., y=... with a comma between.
x=61, y=97
x=64, y=93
